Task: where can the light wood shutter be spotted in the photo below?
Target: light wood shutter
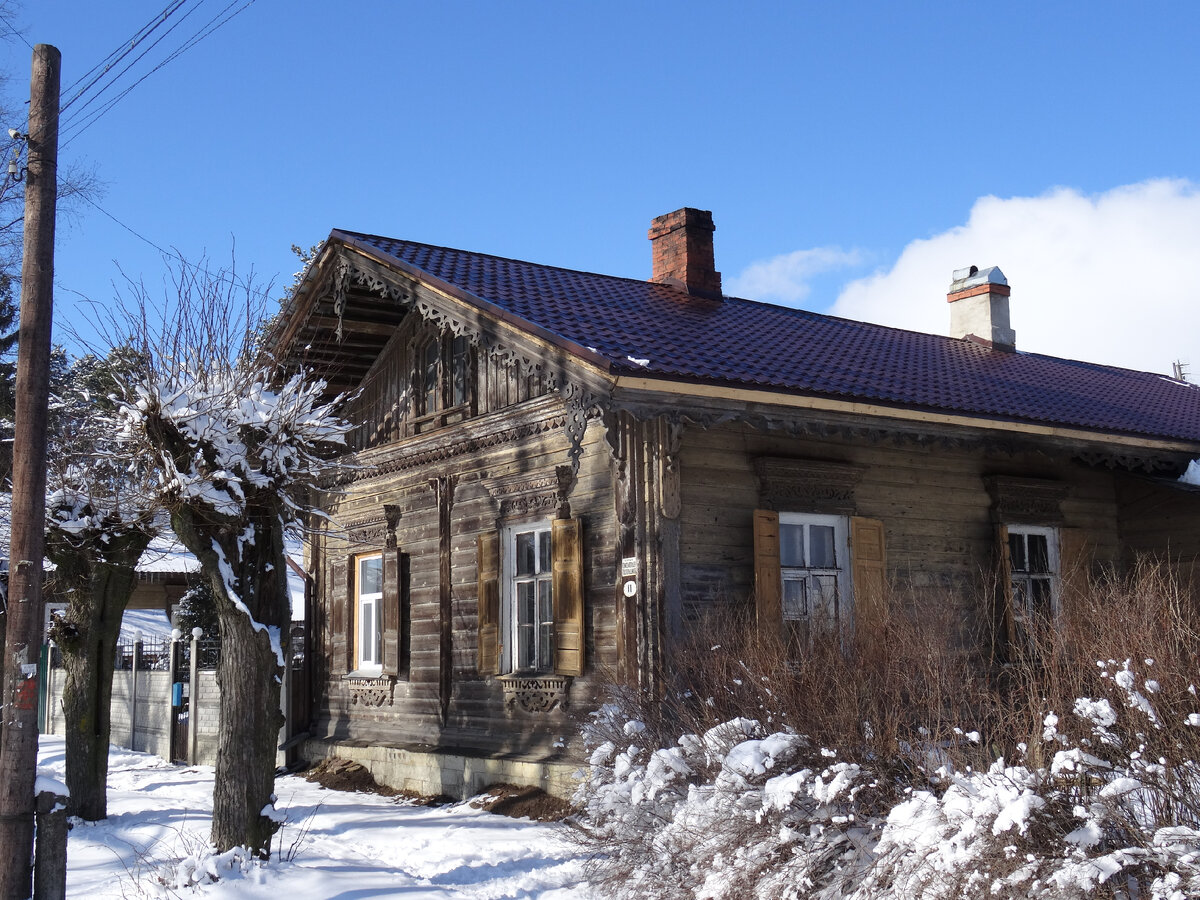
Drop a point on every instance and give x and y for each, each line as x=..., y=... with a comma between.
x=487, y=565
x=1074, y=567
x=390, y=613
x=768, y=579
x=566, y=543
x=1008, y=615
x=868, y=561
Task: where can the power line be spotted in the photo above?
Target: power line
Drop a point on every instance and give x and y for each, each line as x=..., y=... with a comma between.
x=76, y=127
x=216, y=276
x=123, y=50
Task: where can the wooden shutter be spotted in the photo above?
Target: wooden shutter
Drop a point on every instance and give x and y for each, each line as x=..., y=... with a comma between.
x=1074, y=566
x=339, y=595
x=567, y=549
x=1008, y=618
x=390, y=612
x=868, y=574
x=768, y=579
x=487, y=567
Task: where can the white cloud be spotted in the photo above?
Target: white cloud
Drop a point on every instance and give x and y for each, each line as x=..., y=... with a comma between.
x=1105, y=278
x=785, y=278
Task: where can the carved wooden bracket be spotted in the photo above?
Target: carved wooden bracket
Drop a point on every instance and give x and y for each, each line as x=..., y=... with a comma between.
x=807, y=485
x=391, y=513
x=535, y=694
x=1035, y=501
x=376, y=690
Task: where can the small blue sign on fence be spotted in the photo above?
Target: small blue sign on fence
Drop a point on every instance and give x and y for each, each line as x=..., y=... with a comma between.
x=177, y=694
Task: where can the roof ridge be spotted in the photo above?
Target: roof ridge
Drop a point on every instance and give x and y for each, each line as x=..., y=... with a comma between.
x=788, y=310
x=496, y=256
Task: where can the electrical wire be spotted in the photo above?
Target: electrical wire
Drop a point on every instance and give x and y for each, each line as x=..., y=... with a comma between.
x=246, y=285
x=75, y=126
x=123, y=50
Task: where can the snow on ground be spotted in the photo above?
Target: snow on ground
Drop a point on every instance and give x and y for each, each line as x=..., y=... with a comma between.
x=334, y=844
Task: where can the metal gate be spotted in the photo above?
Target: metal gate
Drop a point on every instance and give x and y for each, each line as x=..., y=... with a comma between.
x=181, y=701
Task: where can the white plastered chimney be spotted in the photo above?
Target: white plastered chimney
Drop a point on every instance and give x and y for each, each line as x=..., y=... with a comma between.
x=979, y=307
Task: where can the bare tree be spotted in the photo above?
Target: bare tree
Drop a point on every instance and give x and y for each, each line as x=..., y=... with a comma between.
x=101, y=514
x=238, y=452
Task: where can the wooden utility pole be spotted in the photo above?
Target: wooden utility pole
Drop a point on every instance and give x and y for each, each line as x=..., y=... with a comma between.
x=19, y=736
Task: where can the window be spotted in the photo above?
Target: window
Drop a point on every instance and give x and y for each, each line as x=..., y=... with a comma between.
x=444, y=376
x=369, y=607
x=818, y=572
x=1033, y=571
x=531, y=600
x=813, y=557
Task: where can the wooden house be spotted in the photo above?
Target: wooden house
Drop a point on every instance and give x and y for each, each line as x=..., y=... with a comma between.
x=552, y=473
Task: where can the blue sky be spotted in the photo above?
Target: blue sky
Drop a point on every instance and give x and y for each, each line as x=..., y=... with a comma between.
x=852, y=154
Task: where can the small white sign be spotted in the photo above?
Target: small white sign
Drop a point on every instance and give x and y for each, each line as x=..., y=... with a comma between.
x=628, y=566
x=630, y=588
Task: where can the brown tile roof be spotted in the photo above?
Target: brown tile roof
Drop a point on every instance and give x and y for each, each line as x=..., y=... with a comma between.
x=654, y=330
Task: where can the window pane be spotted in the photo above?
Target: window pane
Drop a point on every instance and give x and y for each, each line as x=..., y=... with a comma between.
x=543, y=552
x=1020, y=592
x=1039, y=597
x=791, y=545
x=431, y=376
x=458, y=370
x=795, y=599
x=1016, y=553
x=824, y=600
x=820, y=547
x=525, y=605
x=525, y=553
x=367, y=636
x=370, y=575
x=1039, y=554
x=545, y=601
x=525, y=648
x=545, y=647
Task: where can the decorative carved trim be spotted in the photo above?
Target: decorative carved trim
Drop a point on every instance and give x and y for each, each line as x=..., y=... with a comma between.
x=671, y=433
x=807, y=485
x=391, y=513
x=521, y=496
x=438, y=446
x=373, y=531
x=537, y=694
x=376, y=690
x=1035, y=501
x=582, y=405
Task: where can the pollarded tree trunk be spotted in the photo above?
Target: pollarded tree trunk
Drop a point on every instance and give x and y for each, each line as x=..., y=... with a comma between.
x=245, y=563
x=98, y=592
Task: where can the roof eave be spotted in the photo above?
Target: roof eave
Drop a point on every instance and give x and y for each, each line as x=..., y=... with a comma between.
x=492, y=310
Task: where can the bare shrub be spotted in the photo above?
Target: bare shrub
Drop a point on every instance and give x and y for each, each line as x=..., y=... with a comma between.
x=898, y=762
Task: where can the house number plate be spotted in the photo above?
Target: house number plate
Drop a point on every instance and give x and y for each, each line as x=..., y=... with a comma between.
x=630, y=588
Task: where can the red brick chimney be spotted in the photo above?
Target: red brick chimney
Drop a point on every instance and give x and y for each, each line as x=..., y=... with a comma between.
x=681, y=246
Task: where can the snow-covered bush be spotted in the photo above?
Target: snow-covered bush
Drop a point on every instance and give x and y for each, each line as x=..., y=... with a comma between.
x=1099, y=799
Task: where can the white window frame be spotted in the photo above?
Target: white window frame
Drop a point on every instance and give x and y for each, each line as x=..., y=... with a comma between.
x=541, y=630
x=1023, y=611
x=368, y=609
x=843, y=606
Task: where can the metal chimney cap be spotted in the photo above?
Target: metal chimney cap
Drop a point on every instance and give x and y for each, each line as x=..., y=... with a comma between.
x=973, y=276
